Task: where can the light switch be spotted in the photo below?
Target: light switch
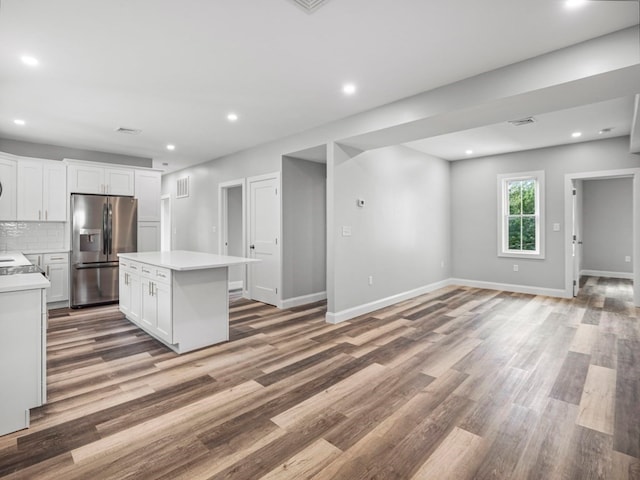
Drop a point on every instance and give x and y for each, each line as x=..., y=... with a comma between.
x=346, y=231
x=556, y=227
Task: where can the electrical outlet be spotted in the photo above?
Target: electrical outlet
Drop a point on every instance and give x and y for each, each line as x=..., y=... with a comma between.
x=627, y=259
x=370, y=279
x=516, y=268
x=346, y=231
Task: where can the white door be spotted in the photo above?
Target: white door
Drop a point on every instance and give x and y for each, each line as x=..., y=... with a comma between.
x=30, y=190
x=264, y=238
x=55, y=192
x=576, y=233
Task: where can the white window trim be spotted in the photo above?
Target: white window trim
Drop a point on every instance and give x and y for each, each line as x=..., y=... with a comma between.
x=503, y=209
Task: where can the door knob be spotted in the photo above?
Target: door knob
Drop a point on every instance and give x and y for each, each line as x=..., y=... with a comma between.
x=252, y=247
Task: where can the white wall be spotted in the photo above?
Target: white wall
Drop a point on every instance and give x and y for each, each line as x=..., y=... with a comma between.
x=474, y=203
x=304, y=230
x=607, y=224
x=401, y=237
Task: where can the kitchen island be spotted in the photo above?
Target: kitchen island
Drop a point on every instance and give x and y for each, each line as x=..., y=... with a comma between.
x=23, y=342
x=179, y=297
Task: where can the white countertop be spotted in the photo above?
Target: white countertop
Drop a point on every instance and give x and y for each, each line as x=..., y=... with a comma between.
x=26, y=281
x=185, y=260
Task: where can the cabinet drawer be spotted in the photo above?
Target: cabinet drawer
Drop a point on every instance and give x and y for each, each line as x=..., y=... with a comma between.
x=133, y=266
x=50, y=258
x=162, y=274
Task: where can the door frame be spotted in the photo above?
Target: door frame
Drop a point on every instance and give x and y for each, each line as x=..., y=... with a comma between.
x=634, y=173
x=223, y=191
x=267, y=176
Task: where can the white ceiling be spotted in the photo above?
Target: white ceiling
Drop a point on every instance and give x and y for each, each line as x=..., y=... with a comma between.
x=175, y=69
x=554, y=128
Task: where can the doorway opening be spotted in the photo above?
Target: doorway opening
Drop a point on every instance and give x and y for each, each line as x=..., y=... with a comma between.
x=165, y=223
x=231, y=238
x=602, y=216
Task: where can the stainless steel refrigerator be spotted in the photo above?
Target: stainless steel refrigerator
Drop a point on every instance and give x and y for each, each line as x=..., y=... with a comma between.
x=101, y=227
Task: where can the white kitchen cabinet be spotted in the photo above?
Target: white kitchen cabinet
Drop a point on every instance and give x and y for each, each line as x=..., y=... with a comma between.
x=130, y=290
x=100, y=179
x=8, y=190
x=56, y=266
x=148, y=236
x=42, y=190
x=156, y=302
x=22, y=340
x=148, y=187
x=185, y=297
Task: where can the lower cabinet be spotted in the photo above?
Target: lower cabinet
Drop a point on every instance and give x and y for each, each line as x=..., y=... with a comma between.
x=56, y=266
x=145, y=298
x=130, y=290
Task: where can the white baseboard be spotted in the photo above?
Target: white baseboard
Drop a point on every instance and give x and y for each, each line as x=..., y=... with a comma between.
x=237, y=285
x=600, y=273
x=353, y=312
x=303, y=300
x=509, y=287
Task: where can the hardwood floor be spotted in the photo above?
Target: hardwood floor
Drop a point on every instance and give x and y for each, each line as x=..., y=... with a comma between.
x=461, y=383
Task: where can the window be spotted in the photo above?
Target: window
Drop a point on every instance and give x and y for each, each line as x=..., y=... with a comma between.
x=521, y=215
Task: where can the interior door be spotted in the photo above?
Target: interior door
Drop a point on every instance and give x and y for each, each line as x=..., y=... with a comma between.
x=264, y=238
x=576, y=232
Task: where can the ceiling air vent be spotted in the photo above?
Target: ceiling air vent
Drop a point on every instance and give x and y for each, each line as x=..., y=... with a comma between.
x=128, y=131
x=310, y=6
x=182, y=187
x=522, y=121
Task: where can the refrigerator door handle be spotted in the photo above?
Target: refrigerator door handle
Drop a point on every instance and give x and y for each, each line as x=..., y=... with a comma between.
x=110, y=229
x=105, y=230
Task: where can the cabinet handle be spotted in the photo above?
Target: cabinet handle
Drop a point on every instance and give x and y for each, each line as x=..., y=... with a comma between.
x=47, y=270
x=46, y=214
x=39, y=214
x=56, y=258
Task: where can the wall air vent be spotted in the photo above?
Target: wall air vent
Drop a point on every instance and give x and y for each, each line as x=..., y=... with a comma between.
x=310, y=6
x=128, y=131
x=522, y=121
x=182, y=187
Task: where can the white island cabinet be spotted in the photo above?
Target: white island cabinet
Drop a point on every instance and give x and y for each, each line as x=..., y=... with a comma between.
x=23, y=342
x=179, y=297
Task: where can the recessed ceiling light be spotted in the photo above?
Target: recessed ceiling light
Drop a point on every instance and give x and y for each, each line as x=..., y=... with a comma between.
x=171, y=147
x=574, y=3
x=232, y=117
x=349, y=89
x=576, y=134
x=17, y=121
x=468, y=152
x=29, y=60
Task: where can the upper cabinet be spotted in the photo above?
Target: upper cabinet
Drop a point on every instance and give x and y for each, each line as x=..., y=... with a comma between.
x=42, y=190
x=148, y=186
x=101, y=180
x=7, y=189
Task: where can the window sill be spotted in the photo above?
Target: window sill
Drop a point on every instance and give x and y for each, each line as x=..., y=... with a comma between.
x=531, y=256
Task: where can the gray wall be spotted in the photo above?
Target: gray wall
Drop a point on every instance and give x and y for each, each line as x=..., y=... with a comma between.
x=234, y=231
x=607, y=224
x=304, y=229
x=401, y=236
x=195, y=217
x=54, y=152
x=474, y=203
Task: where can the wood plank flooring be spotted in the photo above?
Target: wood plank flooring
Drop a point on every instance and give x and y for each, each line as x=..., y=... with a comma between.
x=460, y=383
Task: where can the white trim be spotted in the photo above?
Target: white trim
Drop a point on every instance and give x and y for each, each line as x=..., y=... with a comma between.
x=303, y=300
x=509, y=287
x=238, y=284
x=568, y=242
x=503, y=178
x=605, y=274
x=353, y=312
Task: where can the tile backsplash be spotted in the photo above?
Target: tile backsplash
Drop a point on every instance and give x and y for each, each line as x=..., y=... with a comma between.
x=32, y=236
